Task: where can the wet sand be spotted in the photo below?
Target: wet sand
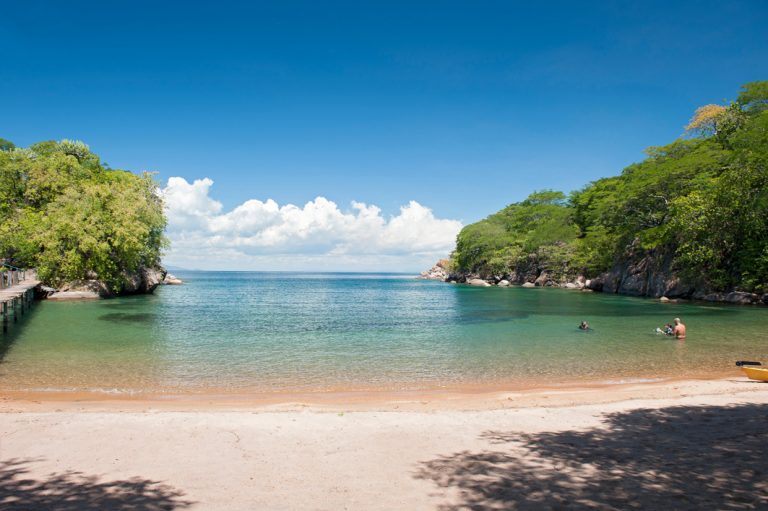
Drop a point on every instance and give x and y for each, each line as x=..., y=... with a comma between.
x=683, y=445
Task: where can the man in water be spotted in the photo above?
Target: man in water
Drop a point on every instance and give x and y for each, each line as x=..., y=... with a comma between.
x=679, y=330
x=584, y=326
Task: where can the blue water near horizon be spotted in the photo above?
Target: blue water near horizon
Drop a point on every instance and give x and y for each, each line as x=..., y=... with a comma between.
x=300, y=331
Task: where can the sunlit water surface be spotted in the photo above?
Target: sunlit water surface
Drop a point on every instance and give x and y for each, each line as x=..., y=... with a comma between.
x=264, y=332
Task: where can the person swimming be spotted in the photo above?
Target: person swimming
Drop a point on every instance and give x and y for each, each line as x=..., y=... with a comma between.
x=584, y=326
x=667, y=330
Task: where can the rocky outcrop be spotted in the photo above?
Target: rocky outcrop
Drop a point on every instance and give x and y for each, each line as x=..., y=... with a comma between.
x=438, y=272
x=641, y=273
x=645, y=274
x=651, y=274
x=143, y=281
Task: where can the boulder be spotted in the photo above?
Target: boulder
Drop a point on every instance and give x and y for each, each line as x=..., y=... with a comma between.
x=143, y=281
x=571, y=285
x=478, y=282
x=503, y=283
x=664, y=299
x=545, y=279
x=741, y=298
x=529, y=284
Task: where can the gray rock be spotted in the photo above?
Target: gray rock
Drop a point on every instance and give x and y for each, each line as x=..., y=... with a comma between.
x=144, y=281
x=741, y=297
x=545, y=279
x=503, y=283
x=529, y=284
x=664, y=299
x=478, y=282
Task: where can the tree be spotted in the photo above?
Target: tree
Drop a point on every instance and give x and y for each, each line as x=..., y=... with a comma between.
x=67, y=215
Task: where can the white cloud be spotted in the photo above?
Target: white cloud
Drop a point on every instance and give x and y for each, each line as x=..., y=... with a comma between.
x=262, y=235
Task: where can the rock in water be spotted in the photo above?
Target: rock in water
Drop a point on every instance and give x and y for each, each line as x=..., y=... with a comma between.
x=438, y=272
x=478, y=282
x=172, y=280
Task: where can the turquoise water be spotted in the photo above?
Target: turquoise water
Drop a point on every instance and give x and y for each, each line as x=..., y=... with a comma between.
x=242, y=332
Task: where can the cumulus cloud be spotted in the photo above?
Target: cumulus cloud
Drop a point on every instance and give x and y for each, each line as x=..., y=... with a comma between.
x=263, y=235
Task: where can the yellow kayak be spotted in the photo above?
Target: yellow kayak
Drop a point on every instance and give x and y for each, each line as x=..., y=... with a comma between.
x=756, y=373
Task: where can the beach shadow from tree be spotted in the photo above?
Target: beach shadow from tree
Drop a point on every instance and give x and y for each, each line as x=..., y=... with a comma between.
x=70, y=491
x=683, y=457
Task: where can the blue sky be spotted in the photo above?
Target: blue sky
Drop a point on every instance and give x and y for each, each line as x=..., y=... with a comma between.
x=463, y=107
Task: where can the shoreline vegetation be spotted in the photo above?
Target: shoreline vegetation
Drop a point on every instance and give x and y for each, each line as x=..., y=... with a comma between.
x=89, y=230
x=688, y=222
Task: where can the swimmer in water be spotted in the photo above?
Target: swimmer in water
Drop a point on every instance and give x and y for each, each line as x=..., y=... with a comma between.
x=679, y=330
x=584, y=326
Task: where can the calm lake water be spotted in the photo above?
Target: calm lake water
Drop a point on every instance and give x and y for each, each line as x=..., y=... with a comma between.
x=242, y=332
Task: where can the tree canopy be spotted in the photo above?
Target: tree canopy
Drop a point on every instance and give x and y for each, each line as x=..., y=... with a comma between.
x=63, y=212
x=703, y=199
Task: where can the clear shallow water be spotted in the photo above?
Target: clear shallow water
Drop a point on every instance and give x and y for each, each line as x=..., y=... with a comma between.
x=242, y=332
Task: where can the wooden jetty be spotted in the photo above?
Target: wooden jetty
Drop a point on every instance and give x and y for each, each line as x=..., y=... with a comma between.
x=17, y=292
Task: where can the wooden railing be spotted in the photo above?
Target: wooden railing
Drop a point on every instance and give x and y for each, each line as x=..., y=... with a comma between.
x=11, y=275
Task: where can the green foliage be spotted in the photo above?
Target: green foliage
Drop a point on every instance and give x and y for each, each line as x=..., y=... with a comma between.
x=6, y=145
x=67, y=215
x=537, y=227
x=702, y=199
x=753, y=96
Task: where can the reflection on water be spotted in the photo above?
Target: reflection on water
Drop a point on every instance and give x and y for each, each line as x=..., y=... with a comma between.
x=277, y=331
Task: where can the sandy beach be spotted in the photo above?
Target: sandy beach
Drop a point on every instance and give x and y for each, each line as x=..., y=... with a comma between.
x=675, y=445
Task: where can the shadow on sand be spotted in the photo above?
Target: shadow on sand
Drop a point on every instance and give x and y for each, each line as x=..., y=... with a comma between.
x=712, y=457
x=71, y=491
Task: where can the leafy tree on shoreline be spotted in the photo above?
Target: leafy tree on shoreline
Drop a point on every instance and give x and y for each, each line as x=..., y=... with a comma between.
x=702, y=199
x=66, y=214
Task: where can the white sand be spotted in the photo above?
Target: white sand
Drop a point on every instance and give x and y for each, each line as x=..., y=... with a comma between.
x=705, y=452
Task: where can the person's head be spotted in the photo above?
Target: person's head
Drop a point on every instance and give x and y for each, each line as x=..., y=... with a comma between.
x=677, y=321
